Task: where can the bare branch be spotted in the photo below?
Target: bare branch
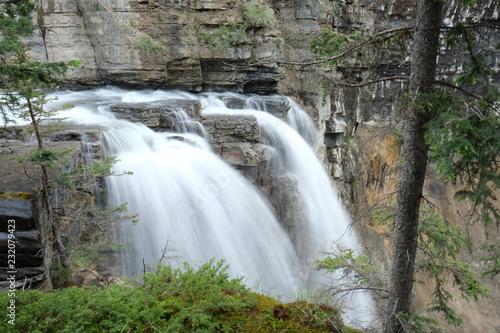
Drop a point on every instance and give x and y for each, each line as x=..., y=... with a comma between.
x=354, y=288
x=472, y=25
x=453, y=86
x=468, y=93
x=386, y=34
x=367, y=211
x=367, y=83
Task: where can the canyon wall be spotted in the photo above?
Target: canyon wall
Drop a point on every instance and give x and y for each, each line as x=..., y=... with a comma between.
x=112, y=39
x=356, y=138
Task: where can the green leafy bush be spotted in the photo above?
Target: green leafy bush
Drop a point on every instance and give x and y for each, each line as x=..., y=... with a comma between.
x=147, y=44
x=225, y=36
x=172, y=300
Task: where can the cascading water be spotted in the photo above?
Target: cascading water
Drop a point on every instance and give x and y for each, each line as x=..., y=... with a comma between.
x=326, y=219
x=328, y=225
x=188, y=199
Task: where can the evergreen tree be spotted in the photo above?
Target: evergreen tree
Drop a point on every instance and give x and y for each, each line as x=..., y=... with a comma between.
x=449, y=123
x=25, y=85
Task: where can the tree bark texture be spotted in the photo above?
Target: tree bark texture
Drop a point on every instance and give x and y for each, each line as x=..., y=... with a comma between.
x=424, y=54
x=53, y=228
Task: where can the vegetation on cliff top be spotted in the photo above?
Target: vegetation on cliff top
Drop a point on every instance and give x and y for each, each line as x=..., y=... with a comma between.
x=170, y=300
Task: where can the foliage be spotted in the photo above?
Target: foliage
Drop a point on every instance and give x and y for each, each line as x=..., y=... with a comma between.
x=24, y=93
x=349, y=264
x=330, y=43
x=15, y=22
x=464, y=137
x=24, y=96
x=225, y=36
x=280, y=43
x=49, y=158
x=466, y=148
x=60, y=275
x=146, y=43
x=170, y=300
x=415, y=323
x=398, y=138
x=78, y=176
x=256, y=15
x=199, y=296
x=100, y=221
x=142, y=41
x=493, y=258
x=440, y=243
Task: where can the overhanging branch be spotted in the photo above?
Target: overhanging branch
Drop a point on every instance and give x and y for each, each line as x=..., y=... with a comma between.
x=375, y=38
x=367, y=83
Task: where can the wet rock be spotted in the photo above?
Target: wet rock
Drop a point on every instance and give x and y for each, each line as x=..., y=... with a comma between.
x=18, y=210
x=108, y=51
x=240, y=154
x=167, y=115
x=22, y=260
x=231, y=128
x=25, y=242
x=278, y=106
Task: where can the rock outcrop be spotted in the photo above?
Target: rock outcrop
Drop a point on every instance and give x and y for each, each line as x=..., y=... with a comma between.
x=114, y=40
x=28, y=244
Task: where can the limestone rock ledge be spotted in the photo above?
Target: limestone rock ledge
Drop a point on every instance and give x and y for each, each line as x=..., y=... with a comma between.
x=105, y=36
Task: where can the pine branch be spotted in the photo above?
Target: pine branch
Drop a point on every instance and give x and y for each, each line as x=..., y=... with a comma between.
x=386, y=34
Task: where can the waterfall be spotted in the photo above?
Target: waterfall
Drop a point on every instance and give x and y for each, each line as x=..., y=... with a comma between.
x=326, y=218
x=328, y=224
x=189, y=199
x=195, y=207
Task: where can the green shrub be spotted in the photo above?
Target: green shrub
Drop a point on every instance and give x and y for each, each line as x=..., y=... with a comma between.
x=256, y=15
x=280, y=43
x=146, y=43
x=329, y=43
x=225, y=36
x=172, y=300
x=176, y=300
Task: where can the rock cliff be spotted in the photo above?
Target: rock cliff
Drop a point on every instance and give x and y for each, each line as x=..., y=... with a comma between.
x=160, y=44
x=110, y=38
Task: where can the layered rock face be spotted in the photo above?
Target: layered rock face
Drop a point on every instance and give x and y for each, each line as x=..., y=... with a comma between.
x=114, y=42
x=26, y=251
x=105, y=36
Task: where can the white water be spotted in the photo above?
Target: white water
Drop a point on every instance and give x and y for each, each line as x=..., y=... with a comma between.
x=326, y=218
x=328, y=225
x=188, y=199
x=204, y=209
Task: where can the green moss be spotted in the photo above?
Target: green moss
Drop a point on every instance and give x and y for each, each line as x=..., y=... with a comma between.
x=16, y=196
x=329, y=43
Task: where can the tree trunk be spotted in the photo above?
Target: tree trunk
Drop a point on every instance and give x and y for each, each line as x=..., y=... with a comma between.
x=424, y=55
x=53, y=228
